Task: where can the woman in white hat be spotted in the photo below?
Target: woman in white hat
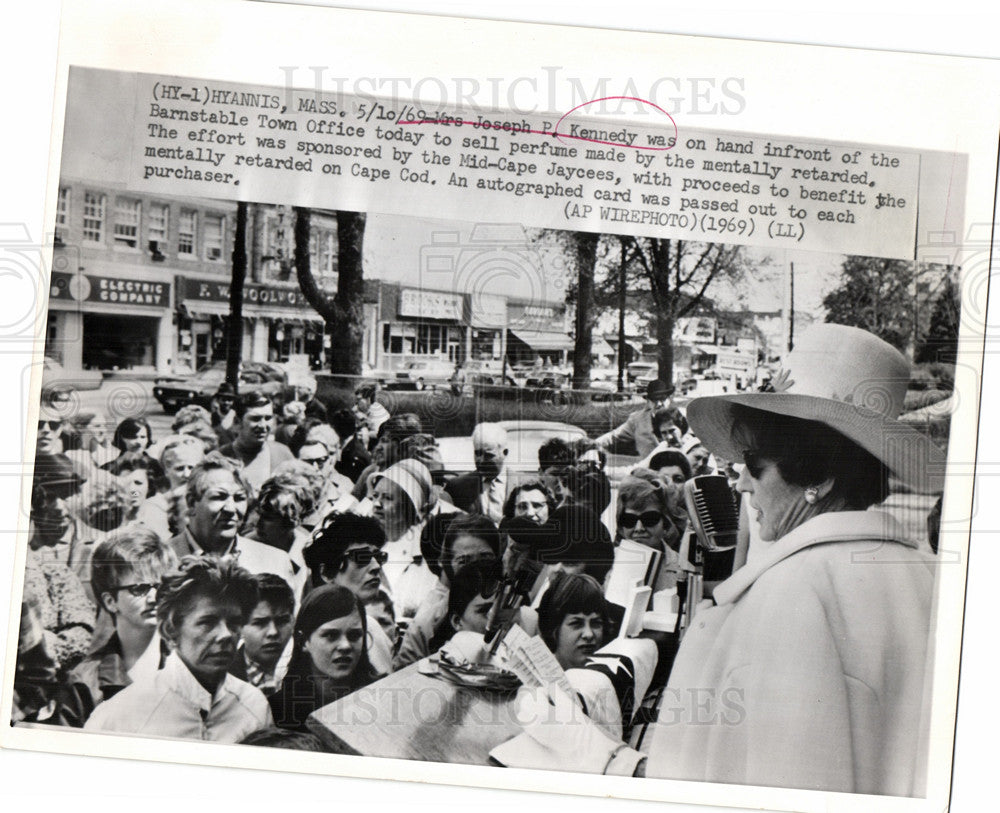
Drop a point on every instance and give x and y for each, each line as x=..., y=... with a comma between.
x=402, y=497
x=811, y=669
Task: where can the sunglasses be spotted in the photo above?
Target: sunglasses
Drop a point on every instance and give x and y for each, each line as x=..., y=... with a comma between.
x=754, y=462
x=364, y=556
x=137, y=590
x=318, y=462
x=53, y=425
x=649, y=519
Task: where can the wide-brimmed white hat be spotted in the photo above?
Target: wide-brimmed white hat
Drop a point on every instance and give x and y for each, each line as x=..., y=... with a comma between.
x=843, y=377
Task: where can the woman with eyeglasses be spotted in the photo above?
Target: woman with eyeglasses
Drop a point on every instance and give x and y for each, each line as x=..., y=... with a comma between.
x=330, y=656
x=346, y=550
x=125, y=572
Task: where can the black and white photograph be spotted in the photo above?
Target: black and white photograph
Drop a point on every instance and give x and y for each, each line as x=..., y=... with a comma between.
x=524, y=449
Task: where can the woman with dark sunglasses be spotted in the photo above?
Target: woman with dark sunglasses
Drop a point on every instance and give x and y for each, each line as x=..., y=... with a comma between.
x=644, y=520
x=329, y=659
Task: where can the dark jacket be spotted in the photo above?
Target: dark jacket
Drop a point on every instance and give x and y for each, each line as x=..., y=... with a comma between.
x=354, y=459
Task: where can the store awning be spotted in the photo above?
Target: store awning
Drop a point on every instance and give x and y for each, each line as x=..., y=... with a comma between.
x=198, y=307
x=707, y=349
x=282, y=314
x=303, y=319
x=544, y=340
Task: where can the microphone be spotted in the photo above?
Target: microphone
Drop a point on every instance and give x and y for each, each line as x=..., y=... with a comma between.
x=713, y=510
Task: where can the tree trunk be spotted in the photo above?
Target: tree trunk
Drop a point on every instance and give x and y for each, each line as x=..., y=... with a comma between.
x=347, y=332
x=234, y=339
x=343, y=313
x=585, y=257
x=665, y=346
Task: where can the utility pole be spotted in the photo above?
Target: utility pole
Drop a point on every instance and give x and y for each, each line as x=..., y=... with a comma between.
x=621, y=319
x=234, y=339
x=791, y=307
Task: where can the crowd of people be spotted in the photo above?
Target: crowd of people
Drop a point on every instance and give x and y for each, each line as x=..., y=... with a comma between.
x=264, y=560
x=326, y=550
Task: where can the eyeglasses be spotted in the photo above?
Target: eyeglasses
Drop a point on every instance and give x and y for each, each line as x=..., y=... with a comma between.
x=363, y=556
x=53, y=425
x=649, y=519
x=754, y=462
x=137, y=590
x=318, y=462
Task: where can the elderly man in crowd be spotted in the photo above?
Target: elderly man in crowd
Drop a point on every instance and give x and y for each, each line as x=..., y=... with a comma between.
x=252, y=447
x=638, y=427
x=485, y=490
x=201, y=609
x=218, y=499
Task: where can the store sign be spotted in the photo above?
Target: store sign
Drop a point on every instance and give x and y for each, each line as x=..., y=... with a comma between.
x=66, y=287
x=536, y=317
x=430, y=304
x=728, y=361
x=271, y=296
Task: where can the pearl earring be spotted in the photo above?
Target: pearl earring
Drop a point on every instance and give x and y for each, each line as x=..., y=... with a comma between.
x=812, y=494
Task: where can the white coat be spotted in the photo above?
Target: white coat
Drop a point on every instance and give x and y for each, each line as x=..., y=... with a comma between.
x=809, y=671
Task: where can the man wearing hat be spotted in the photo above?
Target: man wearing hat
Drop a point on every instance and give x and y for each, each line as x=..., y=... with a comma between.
x=638, y=427
x=55, y=532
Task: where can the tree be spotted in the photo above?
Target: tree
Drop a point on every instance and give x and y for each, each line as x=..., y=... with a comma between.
x=343, y=312
x=578, y=255
x=941, y=341
x=584, y=256
x=234, y=338
x=875, y=294
x=677, y=274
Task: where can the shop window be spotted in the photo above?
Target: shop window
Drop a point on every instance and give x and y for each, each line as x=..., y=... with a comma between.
x=186, y=228
x=159, y=225
x=127, y=216
x=214, y=230
x=323, y=256
x=62, y=215
x=93, y=217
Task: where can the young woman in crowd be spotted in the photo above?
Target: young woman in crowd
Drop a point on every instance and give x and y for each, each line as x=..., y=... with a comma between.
x=572, y=619
x=330, y=656
x=469, y=601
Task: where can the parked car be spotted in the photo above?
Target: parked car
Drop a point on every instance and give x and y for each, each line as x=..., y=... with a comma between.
x=59, y=385
x=642, y=373
x=428, y=373
x=523, y=441
x=176, y=392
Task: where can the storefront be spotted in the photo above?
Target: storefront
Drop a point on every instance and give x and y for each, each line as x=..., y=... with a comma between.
x=110, y=322
x=417, y=324
x=487, y=318
x=537, y=332
x=277, y=323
